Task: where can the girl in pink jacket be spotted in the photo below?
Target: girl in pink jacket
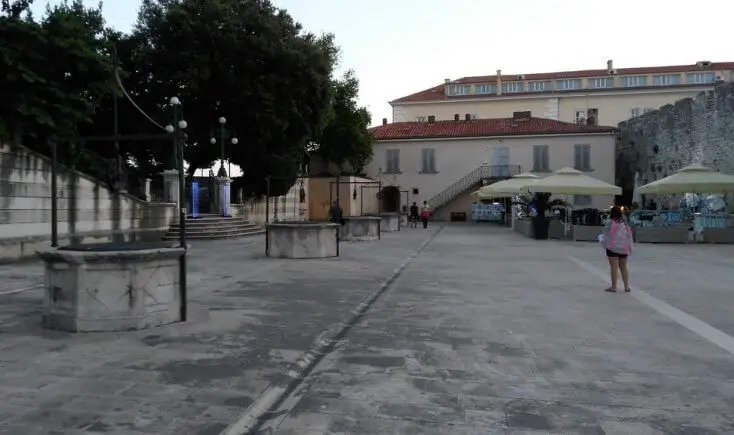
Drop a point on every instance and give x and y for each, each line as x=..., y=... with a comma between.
x=618, y=245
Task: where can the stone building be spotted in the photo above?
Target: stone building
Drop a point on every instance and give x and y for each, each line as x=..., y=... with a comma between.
x=692, y=130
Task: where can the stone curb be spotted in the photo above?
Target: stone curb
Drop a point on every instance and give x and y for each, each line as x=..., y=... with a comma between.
x=267, y=403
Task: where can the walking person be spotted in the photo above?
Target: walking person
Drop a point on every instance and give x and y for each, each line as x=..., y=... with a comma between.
x=413, y=216
x=618, y=246
x=425, y=213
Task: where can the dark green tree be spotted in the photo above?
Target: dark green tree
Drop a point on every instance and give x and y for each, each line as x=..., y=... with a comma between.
x=346, y=138
x=249, y=62
x=40, y=98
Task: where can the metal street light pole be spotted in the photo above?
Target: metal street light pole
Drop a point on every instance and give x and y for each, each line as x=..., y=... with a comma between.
x=177, y=130
x=222, y=121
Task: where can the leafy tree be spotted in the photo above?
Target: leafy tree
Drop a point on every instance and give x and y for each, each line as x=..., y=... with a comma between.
x=346, y=138
x=249, y=62
x=39, y=99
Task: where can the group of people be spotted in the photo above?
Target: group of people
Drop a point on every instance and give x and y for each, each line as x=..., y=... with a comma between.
x=423, y=214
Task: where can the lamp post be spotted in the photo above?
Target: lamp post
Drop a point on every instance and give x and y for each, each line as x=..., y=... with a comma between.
x=222, y=174
x=179, y=137
x=222, y=121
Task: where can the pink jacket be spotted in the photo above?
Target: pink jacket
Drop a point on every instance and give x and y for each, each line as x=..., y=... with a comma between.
x=618, y=237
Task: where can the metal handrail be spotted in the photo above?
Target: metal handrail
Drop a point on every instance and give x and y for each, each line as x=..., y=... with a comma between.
x=484, y=172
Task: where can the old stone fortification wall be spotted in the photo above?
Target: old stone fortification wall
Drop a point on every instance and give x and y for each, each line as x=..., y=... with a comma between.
x=693, y=130
x=88, y=210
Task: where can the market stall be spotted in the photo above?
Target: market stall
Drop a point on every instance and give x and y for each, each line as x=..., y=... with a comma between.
x=701, y=214
x=508, y=189
x=569, y=181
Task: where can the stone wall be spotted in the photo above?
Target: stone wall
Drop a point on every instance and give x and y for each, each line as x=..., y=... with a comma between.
x=693, y=130
x=87, y=210
x=286, y=207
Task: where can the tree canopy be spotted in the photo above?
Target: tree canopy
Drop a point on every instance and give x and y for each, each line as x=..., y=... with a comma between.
x=244, y=60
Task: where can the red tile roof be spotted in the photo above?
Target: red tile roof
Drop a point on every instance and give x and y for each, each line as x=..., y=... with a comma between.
x=481, y=128
x=438, y=92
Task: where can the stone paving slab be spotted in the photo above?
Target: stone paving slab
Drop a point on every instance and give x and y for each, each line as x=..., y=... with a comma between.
x=251, y=316
x=487, y=332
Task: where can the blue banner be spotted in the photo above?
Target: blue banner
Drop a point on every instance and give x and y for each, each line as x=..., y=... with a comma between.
x=195, y=199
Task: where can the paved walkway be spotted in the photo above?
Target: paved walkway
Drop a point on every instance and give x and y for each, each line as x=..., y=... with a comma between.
x=251, y=317
x=491, y=333
x=485, y=332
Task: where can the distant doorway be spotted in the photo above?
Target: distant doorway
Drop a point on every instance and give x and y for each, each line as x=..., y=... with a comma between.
x=390, y=199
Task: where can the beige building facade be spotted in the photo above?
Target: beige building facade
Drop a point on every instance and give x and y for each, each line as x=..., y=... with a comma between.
x=601, y=97
x=444, y=161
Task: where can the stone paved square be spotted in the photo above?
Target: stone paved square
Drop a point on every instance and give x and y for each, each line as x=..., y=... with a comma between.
x=484, y=332
x=488, y=332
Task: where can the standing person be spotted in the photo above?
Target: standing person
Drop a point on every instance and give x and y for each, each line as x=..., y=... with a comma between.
x=336, y=214
x=425, y=213
x=413, y=215
x=618, y=246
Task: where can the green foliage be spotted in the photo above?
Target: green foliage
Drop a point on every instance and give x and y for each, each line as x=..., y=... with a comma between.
x=242, y=59
x=39, y=97
x=346, y=138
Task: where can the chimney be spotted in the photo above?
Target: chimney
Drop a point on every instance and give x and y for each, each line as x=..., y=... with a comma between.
x=610, y=65
x=446, y=81
x=467, y=117
x=456, y=116
x=431, y=119
x=521, y=116
x=499, y=82
x=384, y=121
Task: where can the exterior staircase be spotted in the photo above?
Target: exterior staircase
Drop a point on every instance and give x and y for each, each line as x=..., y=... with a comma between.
x=485, y=174
x=213, y=227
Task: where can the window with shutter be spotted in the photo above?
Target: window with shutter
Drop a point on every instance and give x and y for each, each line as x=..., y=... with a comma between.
x=582, y=157
x=428, y=161
x=541, y=158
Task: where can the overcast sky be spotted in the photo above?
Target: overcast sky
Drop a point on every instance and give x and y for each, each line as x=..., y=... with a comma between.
x=398, y=47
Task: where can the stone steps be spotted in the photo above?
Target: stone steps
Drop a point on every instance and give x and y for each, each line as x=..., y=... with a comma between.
x=214, y=227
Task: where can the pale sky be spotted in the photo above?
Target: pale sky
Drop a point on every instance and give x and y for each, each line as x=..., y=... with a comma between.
x=398, y=47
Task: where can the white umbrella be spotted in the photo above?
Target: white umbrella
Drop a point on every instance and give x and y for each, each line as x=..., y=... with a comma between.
x=508, y=188
x=695, y=178
x=569, y=181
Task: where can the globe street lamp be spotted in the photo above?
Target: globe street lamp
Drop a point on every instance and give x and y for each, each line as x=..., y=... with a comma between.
x=234, y=141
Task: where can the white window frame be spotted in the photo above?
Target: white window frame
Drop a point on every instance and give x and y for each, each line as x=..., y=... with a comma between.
x=459, y=90
x=581, y=114
x=539, y=86
x=633, y=81
x=600, y=82
x=699, y=78
x=513, y=87
x=665, y=79
x=566, y=82
x=485, y=89
x=420, y=119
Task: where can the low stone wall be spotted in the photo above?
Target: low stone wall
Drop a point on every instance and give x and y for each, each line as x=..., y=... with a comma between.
x=661, y=235
x=524, y=227
x=87, y=210
x=586, y=233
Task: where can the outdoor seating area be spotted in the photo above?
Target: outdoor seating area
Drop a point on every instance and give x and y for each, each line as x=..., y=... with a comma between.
x=538, y=211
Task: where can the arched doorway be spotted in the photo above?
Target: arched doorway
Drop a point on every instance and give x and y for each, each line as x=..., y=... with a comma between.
x=390, y=199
